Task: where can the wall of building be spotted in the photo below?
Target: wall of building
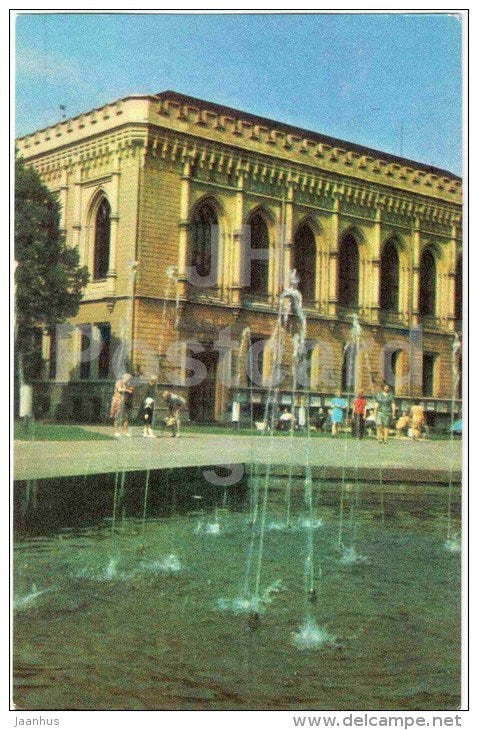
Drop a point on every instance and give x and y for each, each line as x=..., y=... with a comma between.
x=157, y=158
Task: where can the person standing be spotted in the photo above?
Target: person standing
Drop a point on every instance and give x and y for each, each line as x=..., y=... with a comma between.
x=339, y=404
x=174, y=403
x=417, y=416
x=360, y=404
x=118, y=412
x=385, y=409
x=128, y=406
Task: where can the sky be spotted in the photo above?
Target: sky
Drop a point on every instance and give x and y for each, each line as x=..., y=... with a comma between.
x=387, y=81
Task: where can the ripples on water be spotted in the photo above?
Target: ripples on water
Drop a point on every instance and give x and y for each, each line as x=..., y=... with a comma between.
x=159, y=620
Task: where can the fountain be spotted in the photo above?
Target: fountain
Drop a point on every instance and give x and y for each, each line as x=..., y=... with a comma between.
x=452, y=543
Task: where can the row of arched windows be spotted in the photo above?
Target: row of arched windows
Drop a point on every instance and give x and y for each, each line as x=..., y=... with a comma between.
x=205, y=221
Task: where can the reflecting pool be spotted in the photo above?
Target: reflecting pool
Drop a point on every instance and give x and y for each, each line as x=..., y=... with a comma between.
x=158, y=618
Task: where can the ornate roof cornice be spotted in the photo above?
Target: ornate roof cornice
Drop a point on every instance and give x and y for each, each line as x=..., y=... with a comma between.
x=248, y=133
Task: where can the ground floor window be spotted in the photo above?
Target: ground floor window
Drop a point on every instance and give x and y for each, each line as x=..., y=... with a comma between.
x=349, y=368
x=428, y=375
x=52, y=354
x=104, y=355
x=85, y=345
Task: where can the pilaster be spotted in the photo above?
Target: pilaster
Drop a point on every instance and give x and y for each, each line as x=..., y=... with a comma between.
x=287, y=232
x=373, y=304
x=332, y=259
x=237, y=252
x=114, y=224
x=185, y=198
x=415, y=273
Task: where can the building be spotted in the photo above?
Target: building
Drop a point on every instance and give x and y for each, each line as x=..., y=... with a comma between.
x=170, y=181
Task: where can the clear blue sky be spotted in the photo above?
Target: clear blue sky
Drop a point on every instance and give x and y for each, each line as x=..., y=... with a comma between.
x=357, y=77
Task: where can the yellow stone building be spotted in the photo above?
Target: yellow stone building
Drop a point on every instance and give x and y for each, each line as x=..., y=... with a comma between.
x=154, y=187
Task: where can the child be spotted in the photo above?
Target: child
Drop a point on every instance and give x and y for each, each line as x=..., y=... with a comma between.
x=417, y=415
x=402, y=425
x=148, y=413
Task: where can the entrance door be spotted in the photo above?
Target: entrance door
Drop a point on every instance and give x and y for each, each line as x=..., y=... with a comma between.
x=202, y=397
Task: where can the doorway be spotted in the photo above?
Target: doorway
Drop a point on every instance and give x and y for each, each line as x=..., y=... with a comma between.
x=202, y=397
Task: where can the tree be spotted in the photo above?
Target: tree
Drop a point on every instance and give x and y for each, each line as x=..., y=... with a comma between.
x=49, y=281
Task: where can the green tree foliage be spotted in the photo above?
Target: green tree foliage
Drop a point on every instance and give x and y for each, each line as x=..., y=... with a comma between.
x=49, y=281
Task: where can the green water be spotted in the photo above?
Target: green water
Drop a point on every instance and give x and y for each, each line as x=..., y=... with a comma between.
x=132, y=621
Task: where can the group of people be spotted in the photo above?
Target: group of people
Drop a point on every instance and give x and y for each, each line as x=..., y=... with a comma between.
x=122, y=405
x=384, y=413
x=384, y=416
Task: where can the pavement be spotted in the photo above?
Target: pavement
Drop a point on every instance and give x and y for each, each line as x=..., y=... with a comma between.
x=398, y=460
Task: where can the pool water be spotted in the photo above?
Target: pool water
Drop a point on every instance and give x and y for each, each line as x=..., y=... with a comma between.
x=161, y=620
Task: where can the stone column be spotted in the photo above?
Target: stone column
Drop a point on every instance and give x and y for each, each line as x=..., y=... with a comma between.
x=452, y=256
x=333, y=255
x=114, y=223
x=415, y=273
x=84, y=253
x=63, y=200
x=404, y=284
x=237, y=252
x=66, y=352
x=185, y=198
x=287, y=232
x=374, y=293
x=45, y=352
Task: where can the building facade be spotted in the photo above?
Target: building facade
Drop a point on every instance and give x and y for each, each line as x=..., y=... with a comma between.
x=190, y=217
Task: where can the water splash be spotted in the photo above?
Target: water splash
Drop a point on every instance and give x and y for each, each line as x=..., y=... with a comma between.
x=248, y=604
x=351, y=557
x=111, y=571
x=311, y=636
x=281, y=527
x=307, y=522
x=212, y=528
x=23, y=603
x=169, y=564
x=453, y=544
x=209, y=528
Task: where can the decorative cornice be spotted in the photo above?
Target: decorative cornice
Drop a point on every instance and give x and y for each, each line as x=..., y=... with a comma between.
x=211, y=123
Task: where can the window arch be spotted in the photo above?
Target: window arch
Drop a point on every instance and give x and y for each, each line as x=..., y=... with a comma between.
x=389, y=277
x=428, y=275
x=259, y=267
x=348, y=272
x=203, y=220
x=305, y=261
x=102, y=240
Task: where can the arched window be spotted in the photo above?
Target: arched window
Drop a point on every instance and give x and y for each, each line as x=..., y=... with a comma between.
x=459, y=290
x=259, y=267
x=349, y=368
x=428, y=275
x=102, y=240
x=389, y=278
x=204, y=219
x=305, y=261
x=348, y=273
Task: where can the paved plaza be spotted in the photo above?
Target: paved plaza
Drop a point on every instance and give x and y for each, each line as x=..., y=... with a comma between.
x=398, y=460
